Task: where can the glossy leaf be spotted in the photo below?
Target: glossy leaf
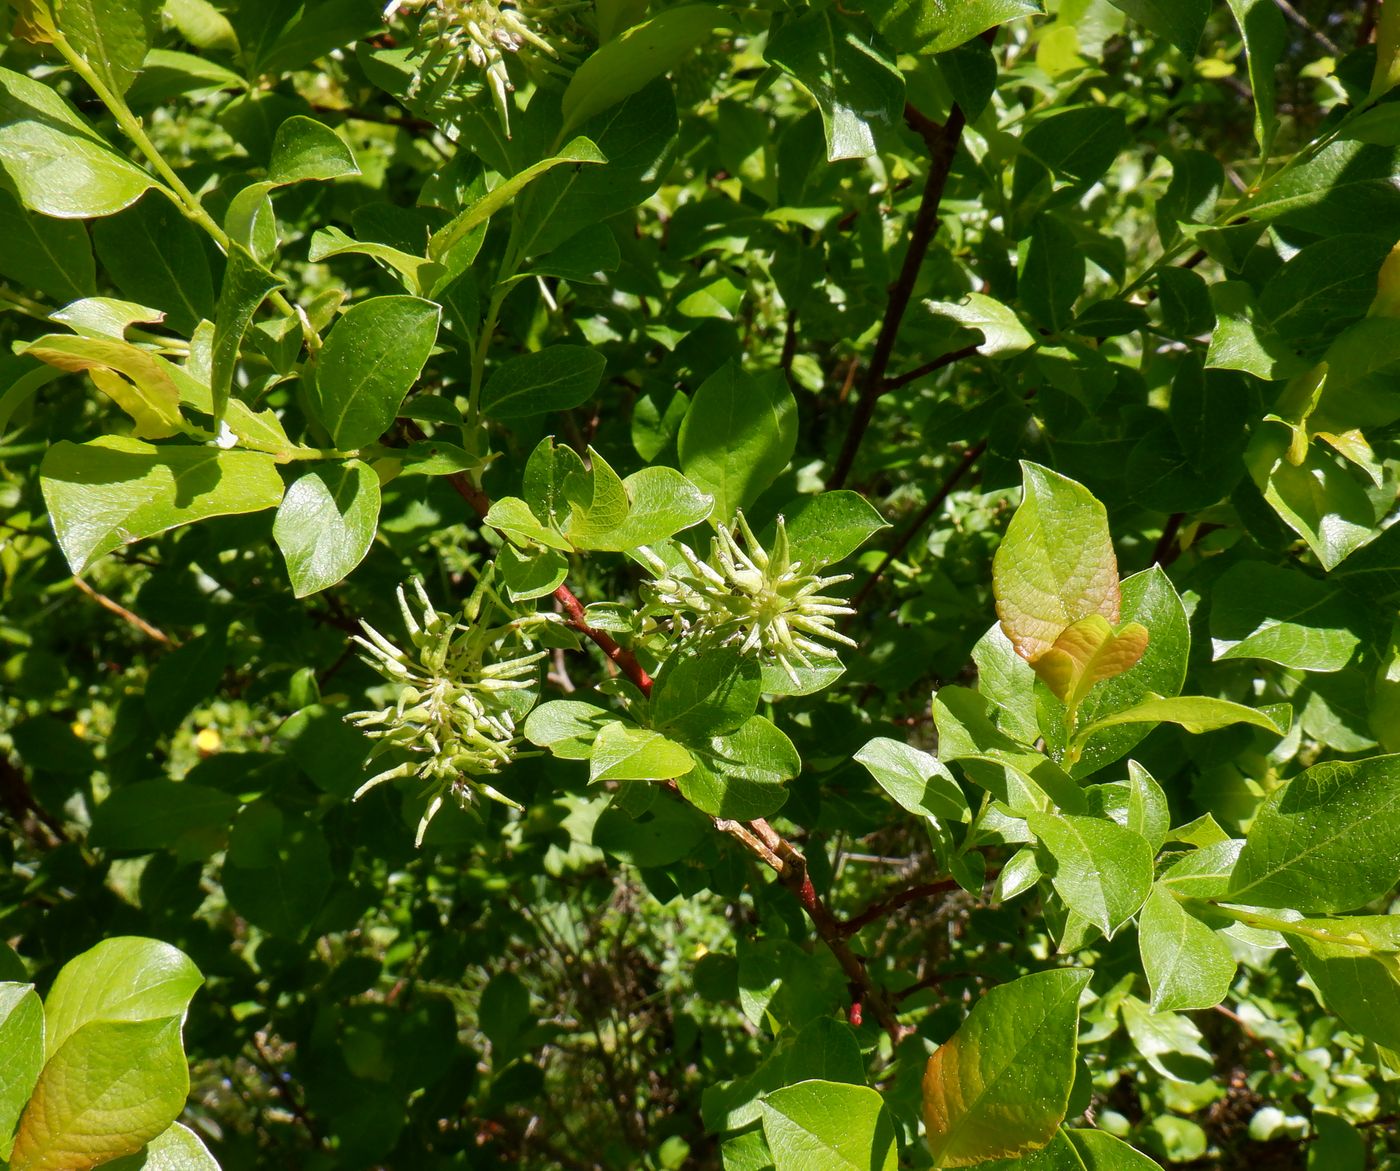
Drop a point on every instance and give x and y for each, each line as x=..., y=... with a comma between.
x=553, y=379
x=741, y=774
x=1056, y=563
x=1328, y=840
x=157, y=257
x=326, y=524
x=829, y=527
x=109, y=1089
x=1359, y=975
x=111, y=36
x=915, y=779
x=737, y=436
x=307, y=149
x=120, y=979
x=1187, y=964
x=22, y=1045
x=177, y=1148
x=621, y=752
x=844, y=1127
x=935, y=26
x=1195, y=713
x=856, y=87
x=1003, y=334
x=1000, y=1085
x=112, y=491
x=1179, y=21
x=369, y=363
x=59, y=165
x=1101, y=869
x=1261, y=611
x=621, y=67
x=705, y=692
x=245, y=286
x=53, y=256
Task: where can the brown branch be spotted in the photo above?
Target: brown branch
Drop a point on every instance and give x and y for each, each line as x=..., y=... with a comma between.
x=929, y=367
x=29, y=815
x=882, y=907
x=943, y=146
x=123, y=613
x=1167, y=549
x=935, y=502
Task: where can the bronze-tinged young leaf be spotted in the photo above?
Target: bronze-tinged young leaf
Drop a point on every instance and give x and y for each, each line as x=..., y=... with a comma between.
x=1055, y=565
x=1087, y=652
x=1000, y=1085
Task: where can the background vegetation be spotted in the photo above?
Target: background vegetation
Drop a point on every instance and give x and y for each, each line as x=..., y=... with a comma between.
x=902, y=245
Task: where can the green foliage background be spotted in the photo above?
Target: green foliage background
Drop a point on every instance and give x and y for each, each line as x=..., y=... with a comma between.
x=1156, y=259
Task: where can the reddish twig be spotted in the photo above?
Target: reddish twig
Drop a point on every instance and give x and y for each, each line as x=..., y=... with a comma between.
x=929, y=367
x=943, y=145
x=882, y=907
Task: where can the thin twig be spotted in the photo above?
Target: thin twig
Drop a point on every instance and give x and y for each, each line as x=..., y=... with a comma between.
x=124, y=614
x=882, y=907
x=943, y=146
x=935, y=502
x=1328, y=45
x=929, y=367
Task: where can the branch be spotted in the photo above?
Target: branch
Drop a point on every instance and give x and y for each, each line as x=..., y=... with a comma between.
x=758, y=836
x=935, y=502
x=882, y=907
x=943, y=145
x=625, y=660
x=123, y=613
x=929, y=367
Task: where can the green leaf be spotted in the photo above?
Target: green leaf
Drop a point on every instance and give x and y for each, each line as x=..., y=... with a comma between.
x=1328, y=840
x=649, y=506
x=738, y=435
x=191, y=819
x=1320, y=498
x=1000, y=1085
x=829, y=527
x=21, y=1054
x=1195, y=713
x=1342, y=185
x=419, y=274
x=619, y=68
x=307, y=149
x=1191, y=196
x=111, y=491
x=580, y=150
x=1076, y=145
x=1052, y=276
x=1179, y=21
x=59, y=165
x=828, y=1124
x=120, y=979
x=531, y=574
x=637, y=138
x=111, y=36
x=326, y=524
x=177, y=1148
x=245, y=286
x=1100, y=1151
x=741, y=774
x=1204, y=873
x=705, y=691
x=1002, y=332
x=917, y=780
x=512, y=516
x=1360, y=979
x=622, y=752
x=1188, y=965
x=109, y=1089
x=42, y=253
x=157, y=257
x=1056, y=563
x=1261, y=611
x=369, y=363
x=1102, y=869
x=1323, y=288
x=1170, y=1042
x=935, y=26
x=667, y=832
x=553, y=379
x=855, y=85
x=1265, y=38
x=277, y=875
x=567, y=727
